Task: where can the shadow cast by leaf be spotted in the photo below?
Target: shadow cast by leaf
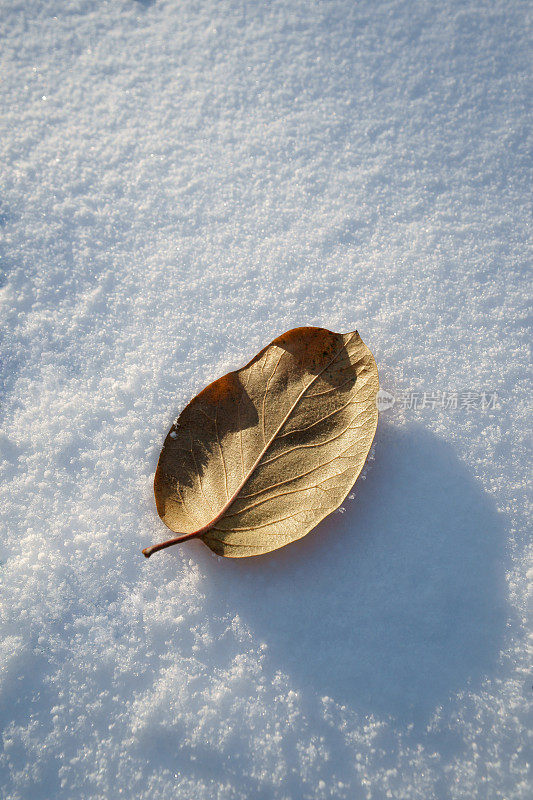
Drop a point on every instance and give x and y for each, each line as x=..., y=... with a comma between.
x=199, y=422
x=394, y=605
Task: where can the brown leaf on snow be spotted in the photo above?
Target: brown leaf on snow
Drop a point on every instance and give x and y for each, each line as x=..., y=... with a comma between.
x=259, y=457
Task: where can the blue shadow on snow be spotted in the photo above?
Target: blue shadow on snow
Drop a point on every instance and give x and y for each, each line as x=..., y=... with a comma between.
x=394, y=605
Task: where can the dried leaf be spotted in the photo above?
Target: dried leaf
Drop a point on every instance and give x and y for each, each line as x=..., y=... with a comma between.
x=261, y=455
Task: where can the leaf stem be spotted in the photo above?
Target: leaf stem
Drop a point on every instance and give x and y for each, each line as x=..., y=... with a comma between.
x=147, y=552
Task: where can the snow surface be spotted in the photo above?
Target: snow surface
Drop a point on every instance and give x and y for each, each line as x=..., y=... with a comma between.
x=180, y=183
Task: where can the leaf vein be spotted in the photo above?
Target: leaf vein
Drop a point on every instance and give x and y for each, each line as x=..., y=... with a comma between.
x=302, y=475
x=221, y=455
x=266, y=392
x=199, y=476
x=315, y=444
